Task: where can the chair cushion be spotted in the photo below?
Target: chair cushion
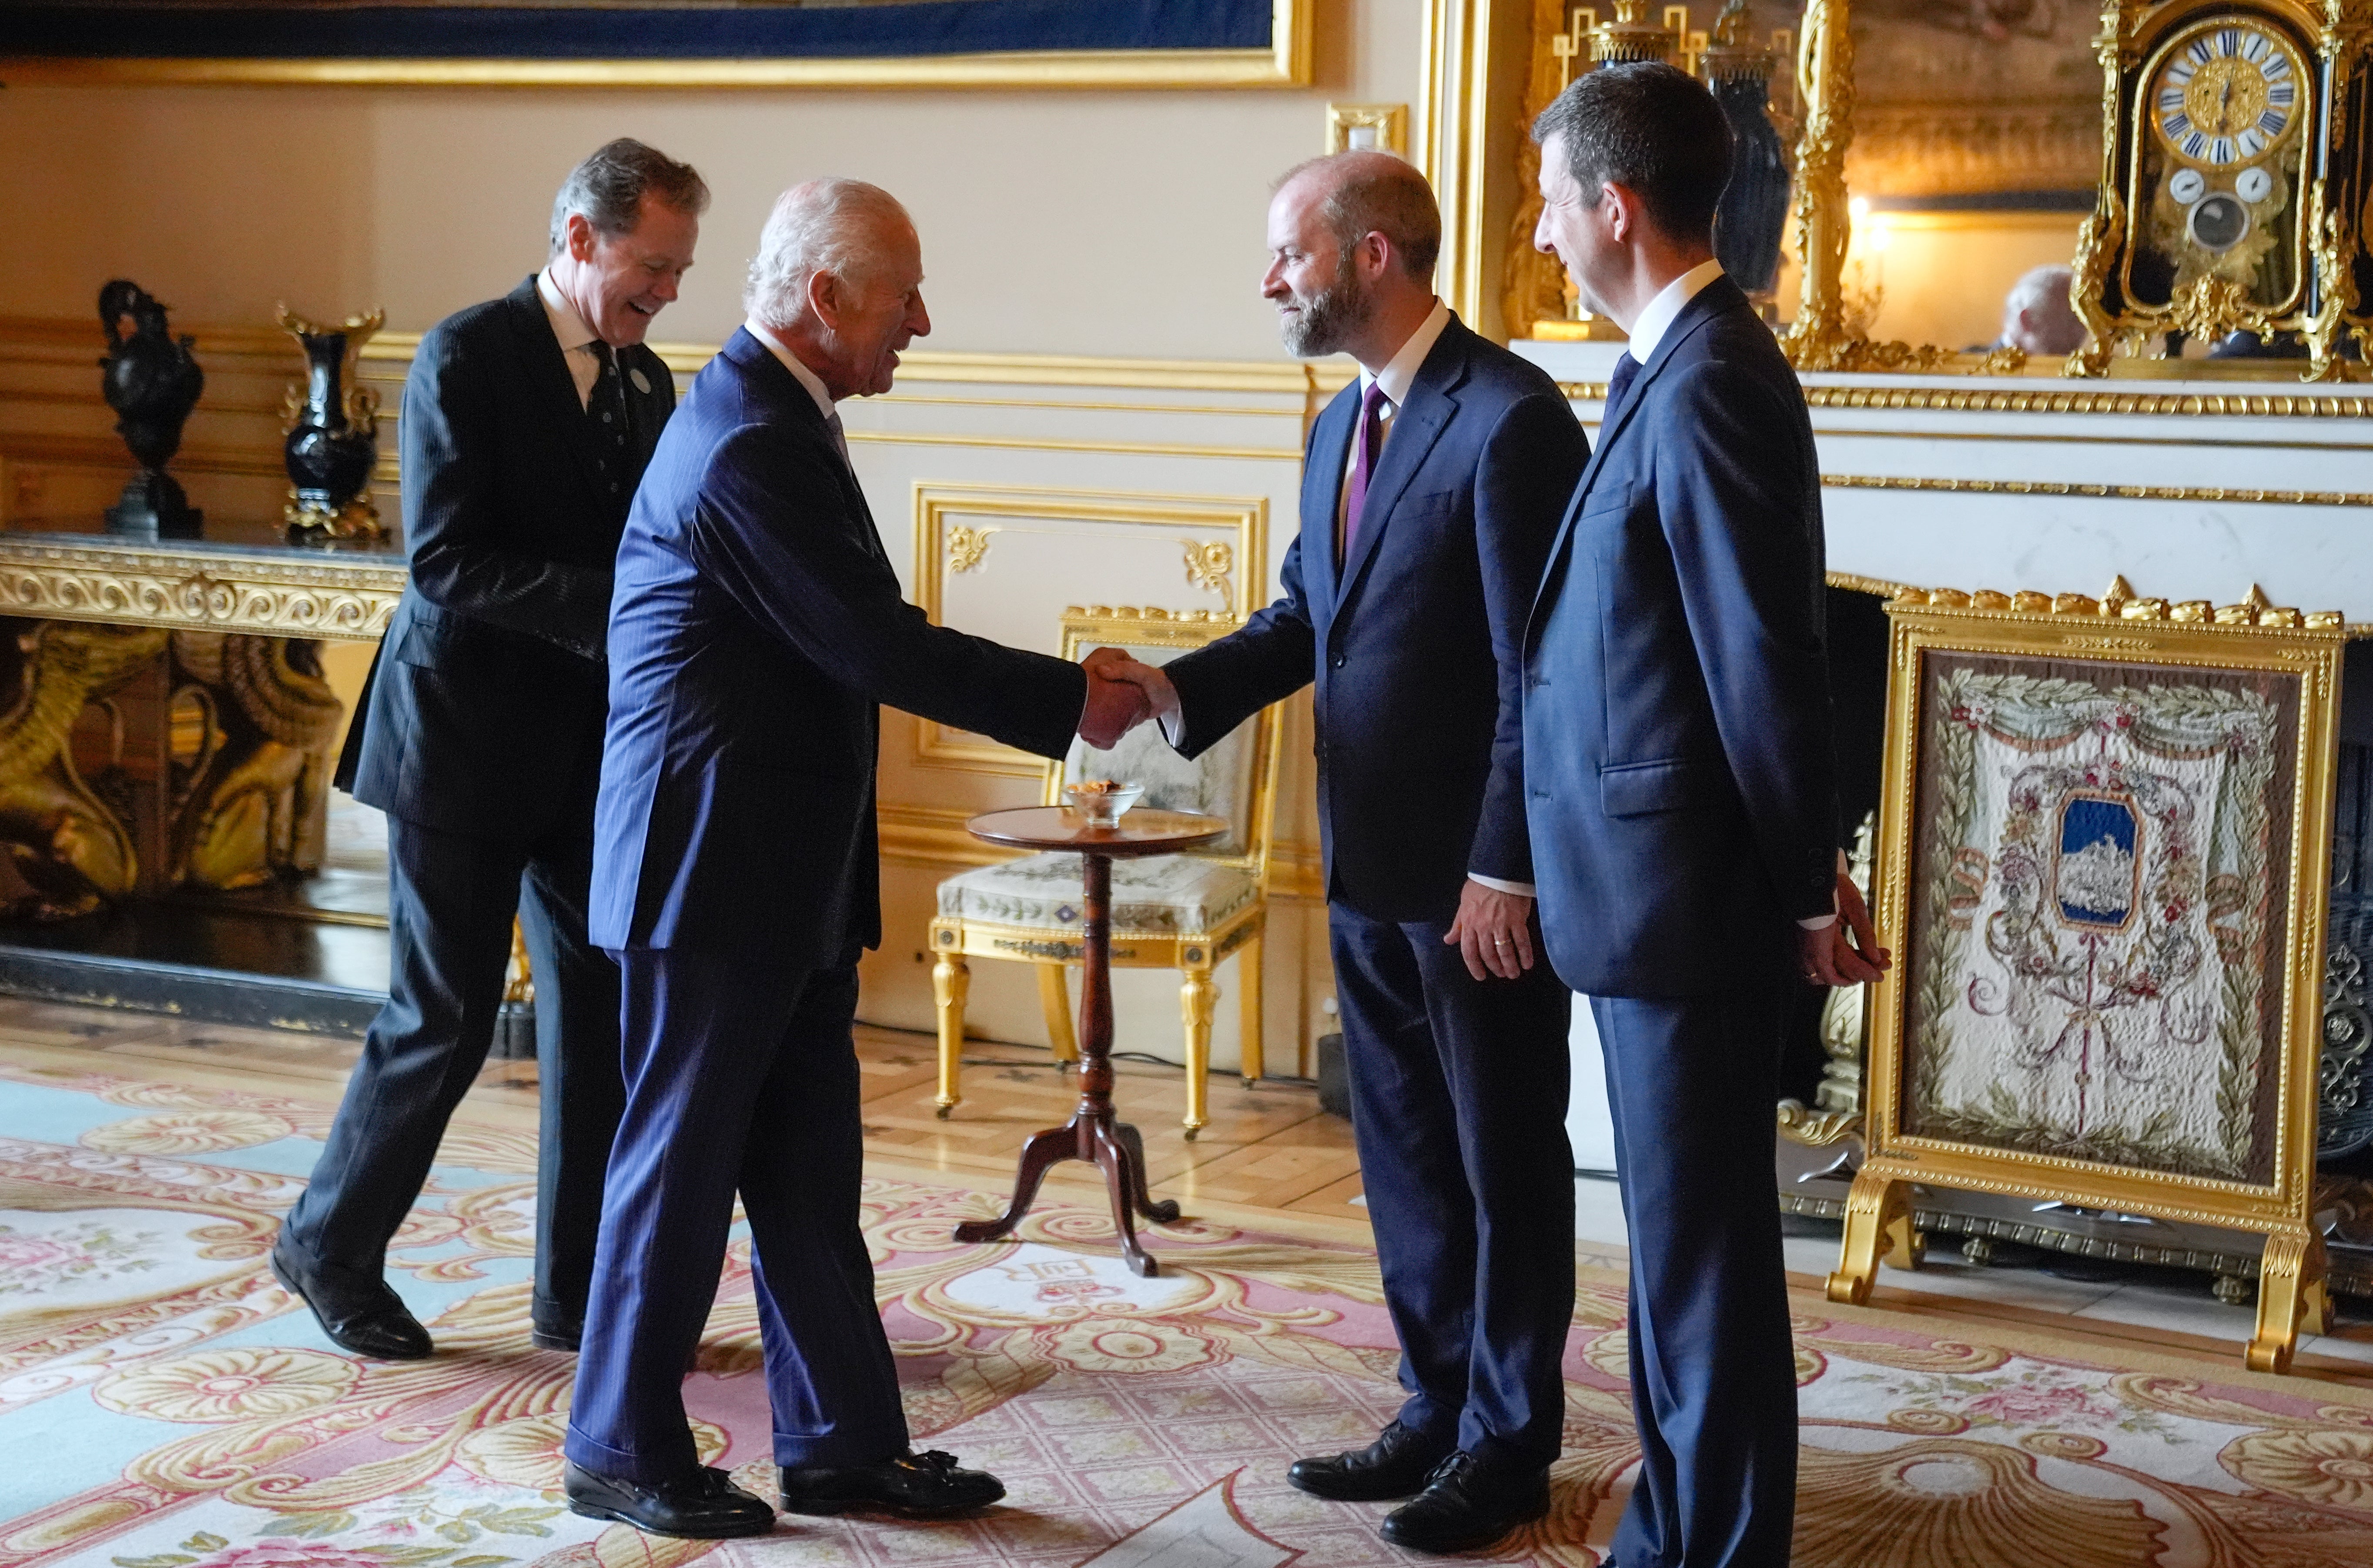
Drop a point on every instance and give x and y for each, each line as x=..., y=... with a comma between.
x=1159, y=895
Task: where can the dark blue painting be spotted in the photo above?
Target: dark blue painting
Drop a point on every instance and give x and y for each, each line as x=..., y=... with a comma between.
x=659, y=30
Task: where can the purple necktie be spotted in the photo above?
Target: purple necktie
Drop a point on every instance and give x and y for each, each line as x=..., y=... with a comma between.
x=1626, y=368
x=1363, y=461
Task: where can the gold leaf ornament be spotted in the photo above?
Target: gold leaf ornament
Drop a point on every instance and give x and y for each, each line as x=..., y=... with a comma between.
x=1944, y=1500
x=2327, y=1465
x=229, y=1386
x=187, y=1133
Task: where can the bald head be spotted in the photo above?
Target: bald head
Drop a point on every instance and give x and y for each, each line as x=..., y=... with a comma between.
x=1362, y=193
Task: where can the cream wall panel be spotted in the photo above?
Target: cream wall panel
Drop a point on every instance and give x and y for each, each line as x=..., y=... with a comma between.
x=2073, y=482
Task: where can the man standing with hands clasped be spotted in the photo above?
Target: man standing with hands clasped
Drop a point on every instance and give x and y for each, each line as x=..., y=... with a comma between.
x=1682, y=794
x=1431, y=489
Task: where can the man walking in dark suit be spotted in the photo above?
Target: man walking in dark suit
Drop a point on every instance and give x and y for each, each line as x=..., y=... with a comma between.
x=757, y=629
x=527, y=422
x=1430, y=490
x=1682, y=795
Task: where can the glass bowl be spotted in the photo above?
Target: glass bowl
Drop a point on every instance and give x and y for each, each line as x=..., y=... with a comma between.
x=1104, y=807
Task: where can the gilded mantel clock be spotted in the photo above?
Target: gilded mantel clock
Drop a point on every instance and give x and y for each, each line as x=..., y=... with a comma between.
x=2230, y=191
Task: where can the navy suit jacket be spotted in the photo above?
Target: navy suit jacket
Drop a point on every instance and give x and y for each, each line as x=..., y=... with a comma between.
x=483, y=715
x=755, y=626
x=1677, y=702
x=1413, y=643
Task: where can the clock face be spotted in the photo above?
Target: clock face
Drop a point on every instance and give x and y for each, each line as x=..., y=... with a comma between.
x=2225, y=95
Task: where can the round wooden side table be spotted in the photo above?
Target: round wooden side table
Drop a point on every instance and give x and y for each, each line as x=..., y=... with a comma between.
x=1093, y=1133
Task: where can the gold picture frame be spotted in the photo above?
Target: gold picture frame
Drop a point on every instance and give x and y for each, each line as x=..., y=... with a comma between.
x=2135, y=1024
x=1381, y=126
x=1285, y=63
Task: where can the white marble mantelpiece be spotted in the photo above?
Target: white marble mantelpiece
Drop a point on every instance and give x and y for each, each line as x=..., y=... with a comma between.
x=2191, y=489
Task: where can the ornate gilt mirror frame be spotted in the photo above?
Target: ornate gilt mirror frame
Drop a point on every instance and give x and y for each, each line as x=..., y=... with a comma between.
x=2066, y=131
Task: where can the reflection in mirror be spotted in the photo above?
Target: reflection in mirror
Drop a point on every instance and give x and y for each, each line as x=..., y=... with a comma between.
x=1975, y=143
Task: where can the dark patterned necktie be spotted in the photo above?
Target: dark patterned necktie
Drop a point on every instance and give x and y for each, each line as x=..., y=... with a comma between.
x=1363, y=461
x=1625, y=370
x=613, y=428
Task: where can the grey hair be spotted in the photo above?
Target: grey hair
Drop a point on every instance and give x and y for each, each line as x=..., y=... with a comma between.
x=2041, y=286
x=825, y=225
x=608, y=188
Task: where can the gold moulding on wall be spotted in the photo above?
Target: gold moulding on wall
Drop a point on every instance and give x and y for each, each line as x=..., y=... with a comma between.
x=957, y=526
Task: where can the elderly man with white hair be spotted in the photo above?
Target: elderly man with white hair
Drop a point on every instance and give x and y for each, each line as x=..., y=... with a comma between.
x=755, y=627
x=2038, y=316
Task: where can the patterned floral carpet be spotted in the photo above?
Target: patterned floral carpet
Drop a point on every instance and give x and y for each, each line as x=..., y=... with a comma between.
x=163, y=1405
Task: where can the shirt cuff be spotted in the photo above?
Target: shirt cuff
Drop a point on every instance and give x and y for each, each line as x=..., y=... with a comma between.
x=1164, y=701
x=1521, y=889
x=1823, y=923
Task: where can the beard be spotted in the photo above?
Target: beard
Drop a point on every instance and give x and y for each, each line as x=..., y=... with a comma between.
x=1328, y=318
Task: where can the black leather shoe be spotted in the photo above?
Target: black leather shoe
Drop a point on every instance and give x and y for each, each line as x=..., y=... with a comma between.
x=1395, y=1465
x=381, y=1327
x=1467, y=1504
x=555, y=1336
x=703, y=1505
x=913, y=1486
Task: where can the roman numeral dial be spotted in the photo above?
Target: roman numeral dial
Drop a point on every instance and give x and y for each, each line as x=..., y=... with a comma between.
x=2226, y=95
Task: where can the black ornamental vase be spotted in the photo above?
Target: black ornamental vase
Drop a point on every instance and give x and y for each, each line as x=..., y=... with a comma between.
x=1752, y=217
x=332, y=433
x=152, y=383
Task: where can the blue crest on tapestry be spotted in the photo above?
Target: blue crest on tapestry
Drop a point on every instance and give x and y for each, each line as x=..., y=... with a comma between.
x=2094, y=883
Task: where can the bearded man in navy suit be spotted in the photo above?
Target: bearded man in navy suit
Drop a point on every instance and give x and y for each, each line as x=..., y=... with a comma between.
x=1682, y=795
x=1430, y=491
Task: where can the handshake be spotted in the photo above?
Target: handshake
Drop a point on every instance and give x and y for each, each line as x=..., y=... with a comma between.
x=1122, y=694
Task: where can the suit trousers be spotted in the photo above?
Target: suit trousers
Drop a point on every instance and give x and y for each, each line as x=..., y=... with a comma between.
x=742, y=1077
x=1458, y=1102
x=1691, y=1082
x=451, y=902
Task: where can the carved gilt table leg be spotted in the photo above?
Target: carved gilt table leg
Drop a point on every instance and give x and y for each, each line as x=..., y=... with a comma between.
x=951, y=982
x=2292, y=1298
x=1878, y=1224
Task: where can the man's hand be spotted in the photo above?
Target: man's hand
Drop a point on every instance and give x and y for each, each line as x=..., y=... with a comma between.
x=1846, y=950
x=1115, y=706
x=1493, y=932
x=1115, y=665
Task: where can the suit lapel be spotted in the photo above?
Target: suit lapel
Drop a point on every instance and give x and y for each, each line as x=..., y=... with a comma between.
x=1321, y=490
x=1431, y=402
x=1703, y=307
x=780, y=387
x=553, y=387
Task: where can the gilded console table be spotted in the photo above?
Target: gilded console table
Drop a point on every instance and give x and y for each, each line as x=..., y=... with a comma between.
x=242, y=584
x=170, y=726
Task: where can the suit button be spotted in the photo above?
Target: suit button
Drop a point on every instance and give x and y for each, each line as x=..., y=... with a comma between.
x=1340, y=662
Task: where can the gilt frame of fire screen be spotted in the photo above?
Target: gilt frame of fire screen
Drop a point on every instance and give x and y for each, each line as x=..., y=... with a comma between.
x=2104, y=840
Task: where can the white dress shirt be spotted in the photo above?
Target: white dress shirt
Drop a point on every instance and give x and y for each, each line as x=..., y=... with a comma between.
x=576, y=339
x=1666, y=308
x=808, y=379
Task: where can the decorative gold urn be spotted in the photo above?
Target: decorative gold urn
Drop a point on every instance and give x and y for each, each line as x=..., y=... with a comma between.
x=2232, y=178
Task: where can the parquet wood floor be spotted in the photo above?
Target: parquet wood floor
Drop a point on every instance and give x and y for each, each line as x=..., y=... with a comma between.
x=1268, y=1147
